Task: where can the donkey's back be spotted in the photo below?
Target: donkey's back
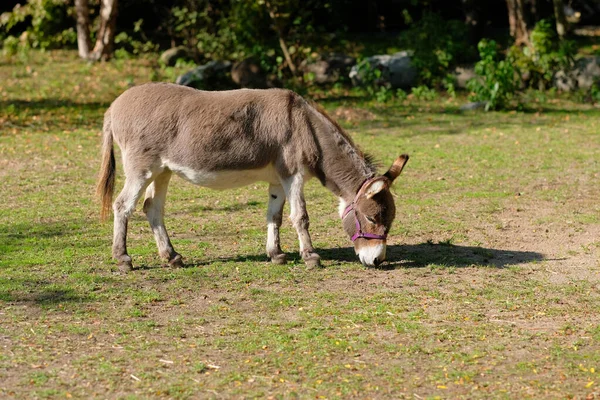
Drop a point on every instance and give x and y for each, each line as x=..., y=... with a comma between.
x=200, y=130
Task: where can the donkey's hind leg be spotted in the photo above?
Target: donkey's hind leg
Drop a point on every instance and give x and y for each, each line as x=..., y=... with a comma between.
x=274, y=219
x=154, y=207
x=123, y=207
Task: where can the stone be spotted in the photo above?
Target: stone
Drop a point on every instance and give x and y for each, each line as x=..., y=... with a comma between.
x=587, y=72
x=476, y=105
x=462, y=75
x=249, y=74
x=397, y=70
x=328, y=68
x=215, y=75
x=584, y=75
x=170, y=57
x=564, y=81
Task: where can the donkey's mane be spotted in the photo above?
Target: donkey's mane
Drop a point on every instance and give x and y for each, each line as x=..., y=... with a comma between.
x=366, y=158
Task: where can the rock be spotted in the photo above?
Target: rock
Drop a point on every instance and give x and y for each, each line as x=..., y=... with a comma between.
x=462, y=75
x=473, y=106
x=564, y=81
x=248, y=74
x=170, y=57
x=397, y=70
x=328, y=68
x=214, y=75
x=584, y=75
x=587, y=72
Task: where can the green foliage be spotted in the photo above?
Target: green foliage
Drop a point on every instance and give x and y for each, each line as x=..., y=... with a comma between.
x=383, y=95
x=192, y=24
x=594, y=92
x=376, y=87
x=424, y=93
x=449, y=83
x=438, y=45
x=13, y=46
x=401, y=94
x=547, y=54
x=496, y=81
x=243, y=28
x=370, y=76
x=45, y=20
x=128, y=45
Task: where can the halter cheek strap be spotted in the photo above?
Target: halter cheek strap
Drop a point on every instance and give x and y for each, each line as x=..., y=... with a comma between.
x=352, y=207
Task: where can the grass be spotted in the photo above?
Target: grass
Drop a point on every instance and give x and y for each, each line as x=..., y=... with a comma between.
x=491, y=290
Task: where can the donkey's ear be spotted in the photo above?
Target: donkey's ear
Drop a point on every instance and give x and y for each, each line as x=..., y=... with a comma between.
x=375, y=187
x=396, y=167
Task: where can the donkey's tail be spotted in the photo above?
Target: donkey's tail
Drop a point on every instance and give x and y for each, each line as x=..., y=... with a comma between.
x=106, y=178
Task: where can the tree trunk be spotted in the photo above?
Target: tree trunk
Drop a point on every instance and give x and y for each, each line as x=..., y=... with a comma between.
x=280, y=34
x=105, y=37
x=84, y=43
x=518, y=22
x=562, y=26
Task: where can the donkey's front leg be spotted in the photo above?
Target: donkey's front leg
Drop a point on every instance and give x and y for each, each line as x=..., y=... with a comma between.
x=274, y=219
x=294, y=190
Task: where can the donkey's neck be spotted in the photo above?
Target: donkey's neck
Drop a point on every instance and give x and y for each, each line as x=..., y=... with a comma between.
x=343, y=168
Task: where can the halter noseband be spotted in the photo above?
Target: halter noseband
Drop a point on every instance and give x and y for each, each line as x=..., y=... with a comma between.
x=359, y=233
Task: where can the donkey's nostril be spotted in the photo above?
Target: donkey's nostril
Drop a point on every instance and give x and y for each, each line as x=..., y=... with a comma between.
x=377, y=261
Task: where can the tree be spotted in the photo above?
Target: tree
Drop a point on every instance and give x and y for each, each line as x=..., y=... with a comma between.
x=105, y=36
x=84, y=43
x=562, y=26
x=279, y=22
x=517, y=21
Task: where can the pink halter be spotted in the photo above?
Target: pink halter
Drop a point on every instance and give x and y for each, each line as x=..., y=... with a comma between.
x=359, y=233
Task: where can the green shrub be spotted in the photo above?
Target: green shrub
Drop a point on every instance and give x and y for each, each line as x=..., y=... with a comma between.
x=10, y=46
x=594, y=92
x=438, y=45
x=424, y=93
x=372, y=81
x=49, y=24
x=130, y=44
x=538, y=63
x=496, y=81
x=401, y=94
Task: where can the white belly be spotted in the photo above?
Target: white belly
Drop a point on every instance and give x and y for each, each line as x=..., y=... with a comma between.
x=226, y=179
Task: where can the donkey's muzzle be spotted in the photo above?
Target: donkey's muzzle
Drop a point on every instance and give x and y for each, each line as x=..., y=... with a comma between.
x=372, y=255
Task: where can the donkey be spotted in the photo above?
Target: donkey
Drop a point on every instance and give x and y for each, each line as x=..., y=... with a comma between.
x=229, y=139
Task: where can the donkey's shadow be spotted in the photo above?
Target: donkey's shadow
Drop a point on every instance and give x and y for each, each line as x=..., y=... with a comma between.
x=442, y=254
x=411, y=256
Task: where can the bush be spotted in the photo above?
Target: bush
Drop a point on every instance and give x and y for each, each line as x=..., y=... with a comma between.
x=48, y=23
x=538, y=63
x=496, y=80
x=128, y=44
x=438, y=45
x=371, y=80
x=424, y=93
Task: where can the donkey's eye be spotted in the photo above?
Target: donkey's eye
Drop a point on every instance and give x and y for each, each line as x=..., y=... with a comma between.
x=371, y=220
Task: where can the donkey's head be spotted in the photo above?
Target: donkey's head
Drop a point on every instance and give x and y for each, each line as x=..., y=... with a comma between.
x=368, y=219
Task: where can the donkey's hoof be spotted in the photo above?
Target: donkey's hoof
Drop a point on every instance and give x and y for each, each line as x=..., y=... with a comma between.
x=312, y=260
x=176, y=262
x=279, y=259
x=125, y=266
